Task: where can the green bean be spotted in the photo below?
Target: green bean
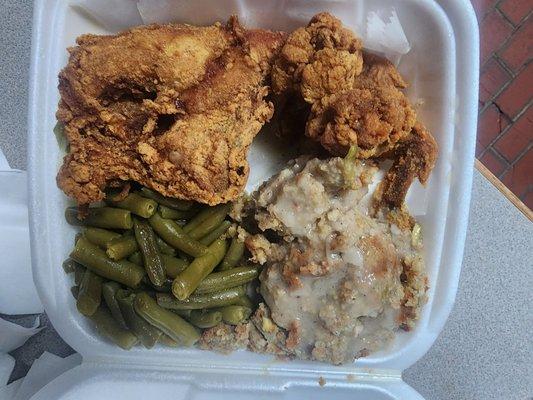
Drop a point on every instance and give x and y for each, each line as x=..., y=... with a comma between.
x=121, y=247
x=110, y=328
x=211, y=222
x=136, y=258
x=166, y=340
x=78, y=274
x=205, y=318
x=170, y=213
x=89, y=294
x=176, y=204
x=69, y=266
x=138, y=205
x=129, y=232
x=233, y=256
x=164, y=248
x=234, y=315
x=102, y=217
x=215, y=233
x=185, y=256
x=218, y=281
x=244, y=301
x=171, y=233
x=188, y=280
x=199, y=218
x=172, y=265
x=183, y=313
x=144, y=289
x=109, y=292
x=171, y=324
x=196, y=302
x=152, y=261
x=147, y=334
x=75, y=290
x=166, y=287
x=100, y=236
x=93, y=258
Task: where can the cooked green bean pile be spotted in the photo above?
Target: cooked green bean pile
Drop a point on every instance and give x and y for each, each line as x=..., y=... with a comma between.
x=150, y=269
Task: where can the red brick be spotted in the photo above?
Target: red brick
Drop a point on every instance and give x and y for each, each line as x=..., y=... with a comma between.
x=479, y=148
x=482, y=7
x=519, y=177
x=515, y=10
x=491, y=123
x=517, y=137
x=493, y=162
x=528, y=200
x=493, y=77
x=515, y=96
x=520, y=47
x=494, y=30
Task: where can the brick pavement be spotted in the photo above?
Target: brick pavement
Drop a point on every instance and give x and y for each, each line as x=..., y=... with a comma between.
x=505, y=131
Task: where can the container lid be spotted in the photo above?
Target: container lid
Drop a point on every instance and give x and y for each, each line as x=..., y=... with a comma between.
x=107, y=381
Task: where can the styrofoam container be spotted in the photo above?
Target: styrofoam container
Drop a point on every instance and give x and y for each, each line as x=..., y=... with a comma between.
x=442, y=64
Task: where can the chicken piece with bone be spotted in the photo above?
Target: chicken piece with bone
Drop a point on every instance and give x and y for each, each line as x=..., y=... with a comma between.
x=354, y=99
x=172, y=107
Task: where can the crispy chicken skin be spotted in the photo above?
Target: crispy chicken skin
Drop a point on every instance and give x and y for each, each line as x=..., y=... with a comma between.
x=374, y=118
x=366, y=109
x=323, y=46
x=378, y=71
x=173, y=107
x=354, y=99
x=415, y=157
x=329, y=72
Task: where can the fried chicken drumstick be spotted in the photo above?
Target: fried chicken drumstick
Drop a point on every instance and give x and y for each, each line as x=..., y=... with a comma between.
x=354, y=99
x=173, y=107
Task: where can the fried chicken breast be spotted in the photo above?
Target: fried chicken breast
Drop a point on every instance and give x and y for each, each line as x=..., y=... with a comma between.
x=173, y=107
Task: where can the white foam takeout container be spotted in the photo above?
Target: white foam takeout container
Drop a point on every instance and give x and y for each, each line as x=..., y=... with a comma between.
x=443, y=65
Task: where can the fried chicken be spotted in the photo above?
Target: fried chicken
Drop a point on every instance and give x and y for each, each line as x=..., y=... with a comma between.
x=302, y=59
x=365, y=108
x=378, y=71
x=330, y=71
x=414, y=157
x=172, y=107
x=354, y=99
x=374, y=118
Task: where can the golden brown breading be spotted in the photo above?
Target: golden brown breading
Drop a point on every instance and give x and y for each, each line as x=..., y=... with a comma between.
x=324, y=31
x=173, y=107
x=330, y=71
x=374, y=118
x=374, y=115
x=378, y=71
